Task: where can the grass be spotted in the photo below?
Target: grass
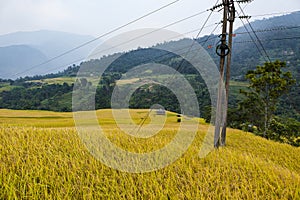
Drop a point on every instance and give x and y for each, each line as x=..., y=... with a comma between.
x=127, y=81
x=7, y=87
x=62, y=80
x=239, y=84
x=30, y=118
x=59, y=80
x=42, y=157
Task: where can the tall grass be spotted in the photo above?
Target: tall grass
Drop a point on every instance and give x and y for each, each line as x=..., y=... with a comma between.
x=42, y=162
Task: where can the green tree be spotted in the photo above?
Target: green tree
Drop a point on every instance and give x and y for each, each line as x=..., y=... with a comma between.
x=266, y=84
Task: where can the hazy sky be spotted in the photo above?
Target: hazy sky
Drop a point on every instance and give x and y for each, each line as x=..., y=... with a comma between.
x=95, y=17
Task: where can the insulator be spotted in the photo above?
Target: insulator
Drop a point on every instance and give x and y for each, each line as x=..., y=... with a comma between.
x=244, y=1
x=216, y=7
x=245, y=17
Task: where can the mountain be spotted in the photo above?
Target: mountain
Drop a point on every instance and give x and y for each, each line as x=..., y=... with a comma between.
x=279, y=36
x=291, y=19
x=16, y=56
x=48, y=43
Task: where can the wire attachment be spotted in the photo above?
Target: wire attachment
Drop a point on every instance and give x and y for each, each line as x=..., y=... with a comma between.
x=222, y=48
x=216, y=7
x=244, y=1
x=245, y=17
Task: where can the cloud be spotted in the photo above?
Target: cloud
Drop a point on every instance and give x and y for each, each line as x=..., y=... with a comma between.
x=50, y=9
x=16, y=15
x=95, y=17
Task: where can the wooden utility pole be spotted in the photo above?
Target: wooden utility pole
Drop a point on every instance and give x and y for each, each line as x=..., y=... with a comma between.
x=224, y=50
x=231, y=17
x=221, y=51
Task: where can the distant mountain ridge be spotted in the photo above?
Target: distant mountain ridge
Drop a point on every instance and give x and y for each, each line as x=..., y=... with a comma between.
x=291, y=19
x=274, y=34
x=14, y=56
x=278, y=35
x=48, y=43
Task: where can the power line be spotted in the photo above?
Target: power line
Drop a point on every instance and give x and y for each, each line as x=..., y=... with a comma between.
x=281, y=28
x=196, y=30
x=140, y=36
x=255, y=34
x=198, y=34
x=264, y=30
x=166, y=26
x=118, y=28
x=97, y=38
x=211, y=34
x=211, y=37
x=182, y=61
x=270, y=14
x=273, y=39
x=252, y=38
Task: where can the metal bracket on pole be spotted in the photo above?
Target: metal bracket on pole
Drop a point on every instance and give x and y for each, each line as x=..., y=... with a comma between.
x=222, y=48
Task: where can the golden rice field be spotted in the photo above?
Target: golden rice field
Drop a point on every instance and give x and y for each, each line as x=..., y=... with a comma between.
x=42, y=157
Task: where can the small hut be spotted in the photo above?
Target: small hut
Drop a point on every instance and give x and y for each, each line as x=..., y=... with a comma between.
x=160, y=112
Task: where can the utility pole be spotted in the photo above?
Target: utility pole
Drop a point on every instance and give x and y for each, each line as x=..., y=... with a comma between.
x=221, y=51
x=231, y=17
x=224, y=50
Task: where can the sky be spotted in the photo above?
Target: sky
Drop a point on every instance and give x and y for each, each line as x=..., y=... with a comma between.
x=95, y=17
